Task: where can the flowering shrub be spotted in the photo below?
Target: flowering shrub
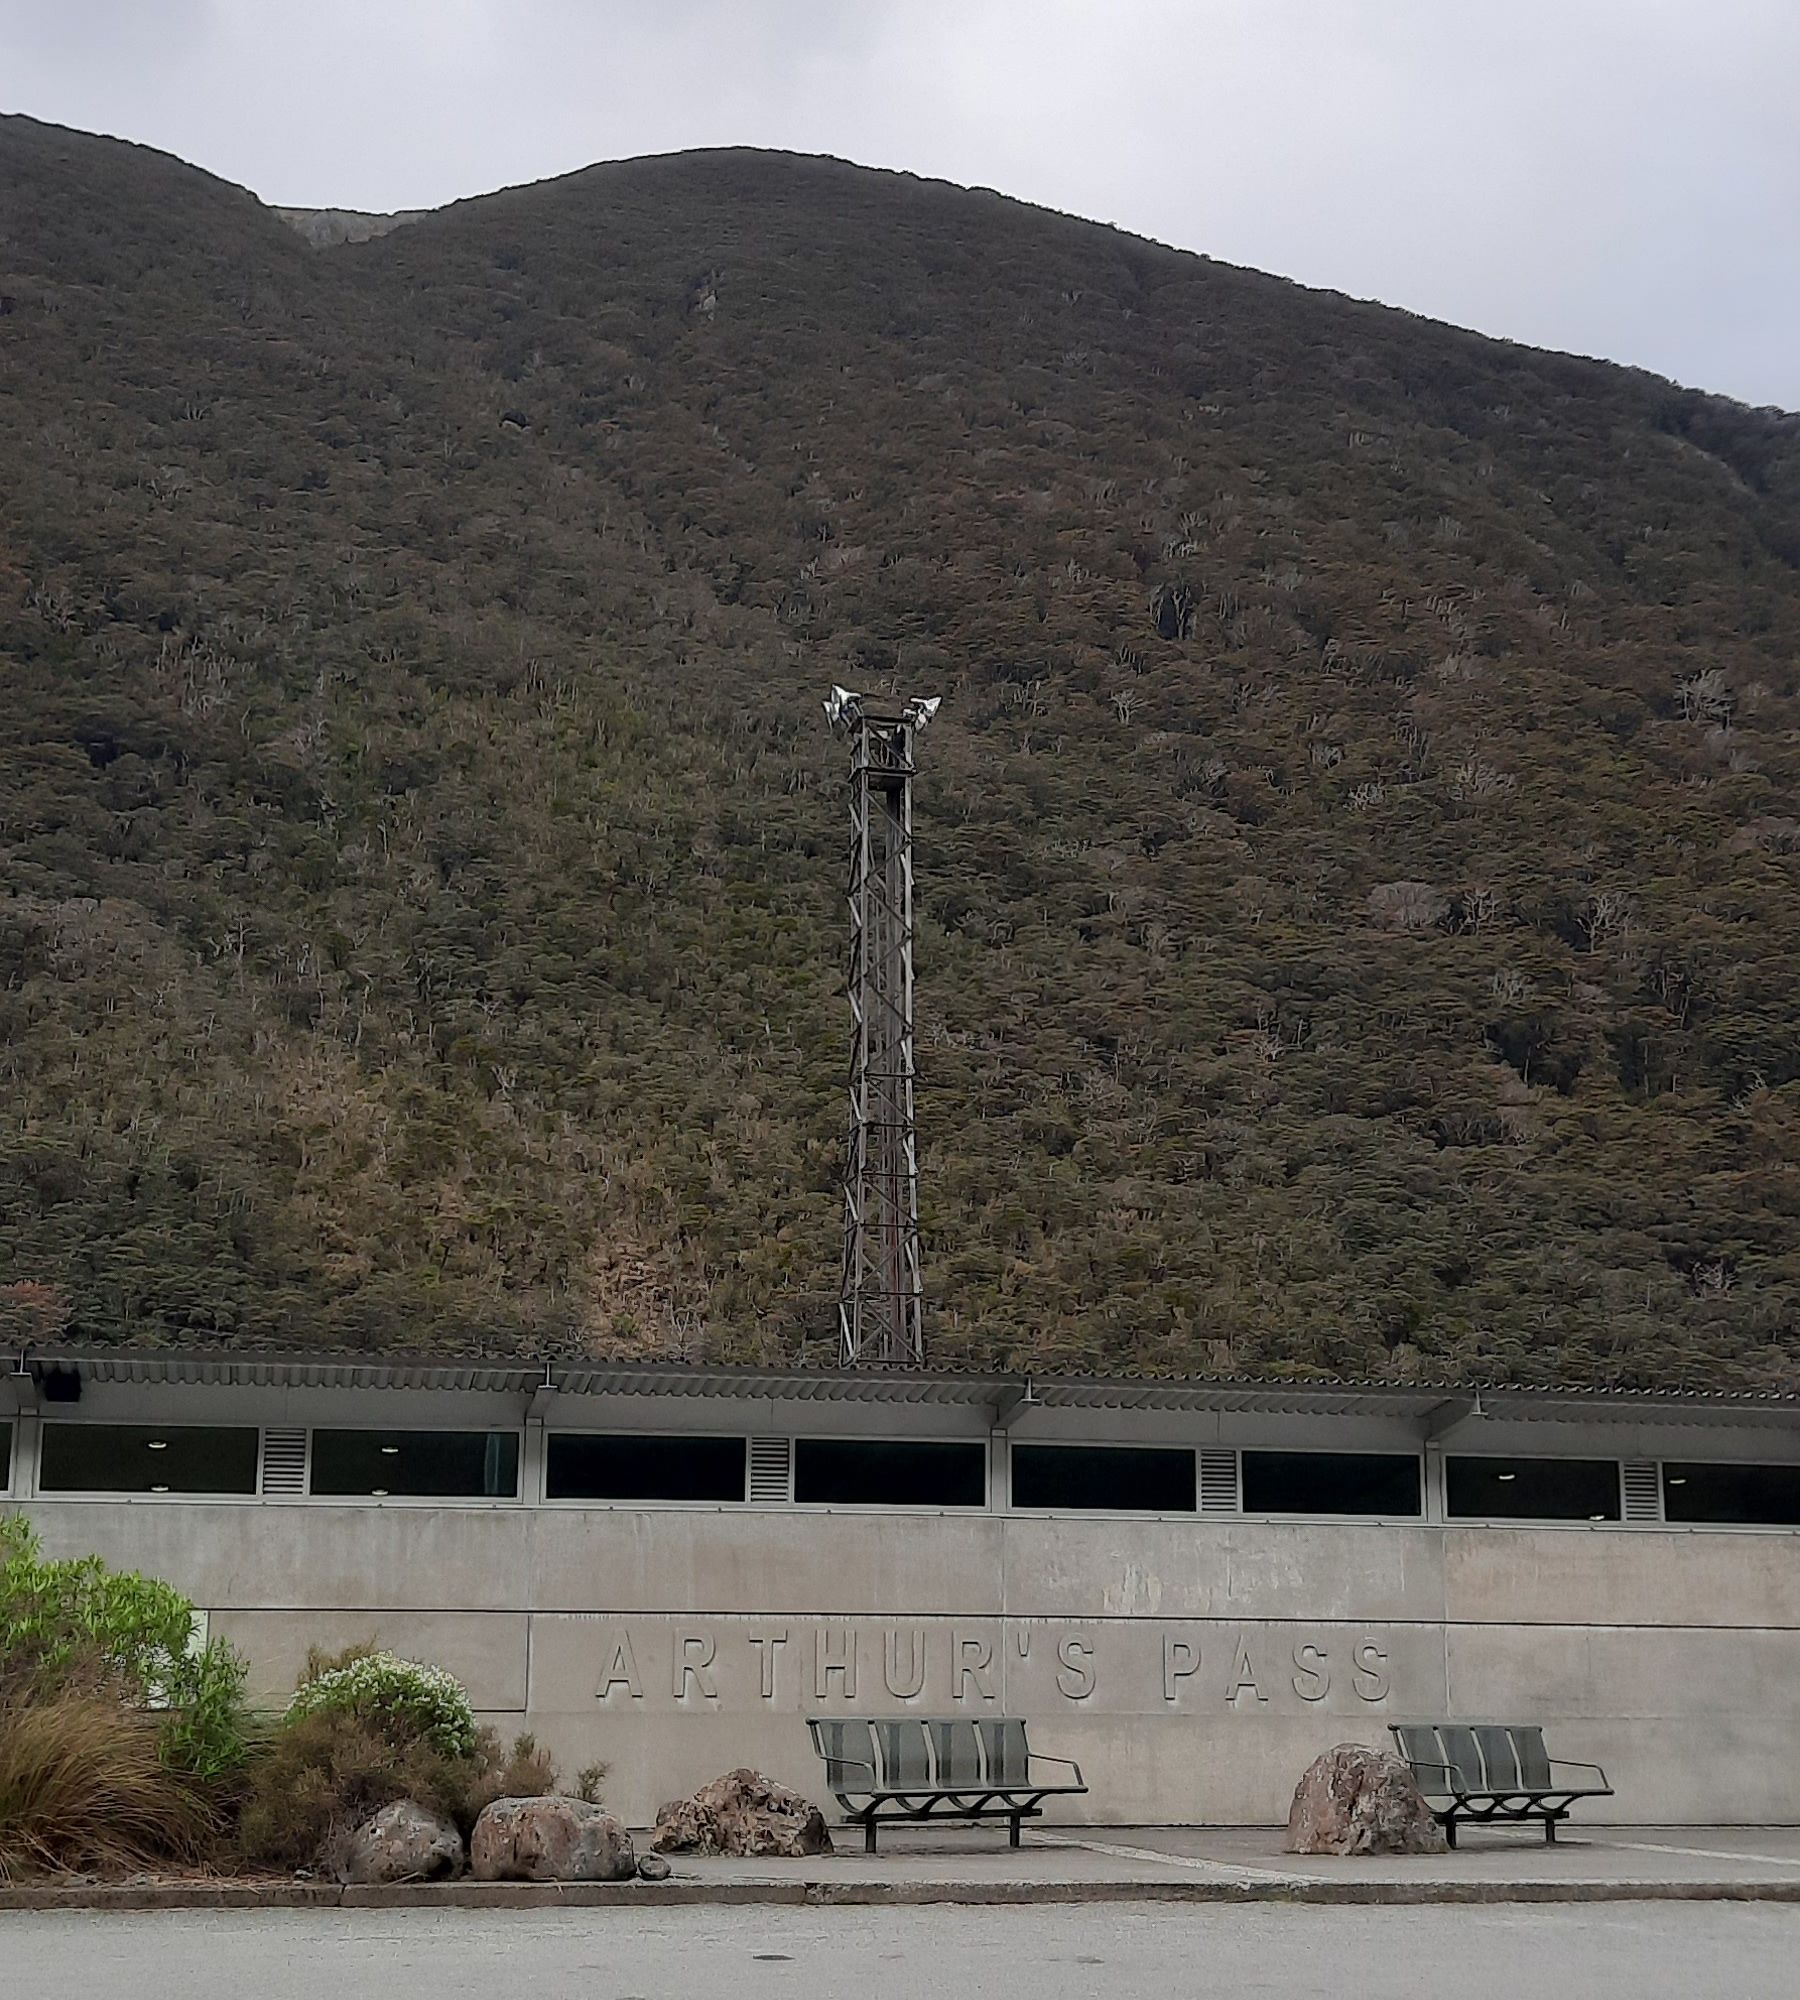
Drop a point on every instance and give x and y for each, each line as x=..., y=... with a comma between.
x=404, y=1700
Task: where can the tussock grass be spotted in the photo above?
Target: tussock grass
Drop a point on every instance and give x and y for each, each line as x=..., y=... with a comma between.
x=83, y=1789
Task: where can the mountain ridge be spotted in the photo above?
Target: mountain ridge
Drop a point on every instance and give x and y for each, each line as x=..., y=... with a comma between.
x=1355, y=854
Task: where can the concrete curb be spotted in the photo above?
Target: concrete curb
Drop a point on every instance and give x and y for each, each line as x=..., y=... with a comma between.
x=225, y=1895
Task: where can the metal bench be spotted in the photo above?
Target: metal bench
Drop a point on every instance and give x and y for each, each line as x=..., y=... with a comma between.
x=918, y=1769
x=1484, y=1771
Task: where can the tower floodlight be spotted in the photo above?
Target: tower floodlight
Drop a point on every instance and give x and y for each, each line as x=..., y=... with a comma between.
x=881, y=1306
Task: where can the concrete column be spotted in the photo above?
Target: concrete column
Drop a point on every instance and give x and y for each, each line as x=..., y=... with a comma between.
x=25, y=1455
x=531, y=1464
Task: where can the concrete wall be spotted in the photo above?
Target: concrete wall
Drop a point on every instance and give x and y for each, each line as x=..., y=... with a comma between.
x=1193, y=1667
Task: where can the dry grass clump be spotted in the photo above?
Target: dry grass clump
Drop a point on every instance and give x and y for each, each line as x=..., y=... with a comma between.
x=324, y=1773
x=84, y=1789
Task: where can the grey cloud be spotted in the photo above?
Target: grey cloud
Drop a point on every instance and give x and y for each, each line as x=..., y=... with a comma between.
x=1613, y=176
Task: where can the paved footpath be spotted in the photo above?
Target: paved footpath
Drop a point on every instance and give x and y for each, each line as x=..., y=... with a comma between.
x=1604, y=1951
x=1589, y=1864
x=1586, y=1859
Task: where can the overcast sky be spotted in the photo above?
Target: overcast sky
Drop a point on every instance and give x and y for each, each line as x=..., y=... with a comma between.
x=1617, y=177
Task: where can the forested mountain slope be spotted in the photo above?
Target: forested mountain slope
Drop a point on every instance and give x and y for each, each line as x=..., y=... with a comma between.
x=1358, y=851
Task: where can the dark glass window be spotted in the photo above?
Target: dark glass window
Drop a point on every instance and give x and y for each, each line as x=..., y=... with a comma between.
x=1532, y=1489
x=855, y=1472
x=1751, y=1495
x=1330, y=1482
x=437, y=1465
x=625, y=1467
x=146, y=1458
x=1119, y=1478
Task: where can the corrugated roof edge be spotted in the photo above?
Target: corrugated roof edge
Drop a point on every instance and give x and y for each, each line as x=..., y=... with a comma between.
x=951, y=1385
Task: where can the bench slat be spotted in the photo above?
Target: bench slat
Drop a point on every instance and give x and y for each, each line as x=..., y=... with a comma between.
x=1534, y=1760
x=848, y=1747
x=1463, y=1755
x=1008, y=1760
x=956, y=1747
x=1499, y=1759
x=905, y=1756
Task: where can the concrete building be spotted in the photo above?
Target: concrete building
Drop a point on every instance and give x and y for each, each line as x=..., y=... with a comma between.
x=1191, y=1587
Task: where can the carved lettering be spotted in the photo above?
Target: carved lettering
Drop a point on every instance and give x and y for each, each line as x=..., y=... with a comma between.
x=1369, y=1676
x=766, y=1644
x=694, y=1653
x=1075, y=1677
x=834, y=1652
x=1312, y=1678
x=1181, y=1661
x=621, y=1671
x=1243, y=1677
x=903, y=1682
x=1274, y=1666
x=973, y=1659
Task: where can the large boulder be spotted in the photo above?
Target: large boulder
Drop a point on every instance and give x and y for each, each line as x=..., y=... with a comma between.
x=1355, y=1800
x=742, y=1813
x=403, y=1842
x=550, y=1840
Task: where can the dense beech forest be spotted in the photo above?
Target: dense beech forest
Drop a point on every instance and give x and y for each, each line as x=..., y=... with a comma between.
x=1359, y=853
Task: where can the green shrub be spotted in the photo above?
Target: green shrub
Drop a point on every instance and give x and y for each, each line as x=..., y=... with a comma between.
x=401, y=1699
x=75, y=1625
x=84, y=1785
x=209, y=1730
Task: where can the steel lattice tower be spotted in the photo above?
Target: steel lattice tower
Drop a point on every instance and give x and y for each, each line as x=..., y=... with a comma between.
x=881, y=1310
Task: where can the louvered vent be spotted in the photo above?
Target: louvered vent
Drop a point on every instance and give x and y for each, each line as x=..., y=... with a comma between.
x=771, y=1471
x=283, y=1463
x=1218, y=1482
x=1643, y=1490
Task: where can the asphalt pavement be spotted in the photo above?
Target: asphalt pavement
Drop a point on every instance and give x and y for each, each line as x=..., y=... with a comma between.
x=1635, y=1951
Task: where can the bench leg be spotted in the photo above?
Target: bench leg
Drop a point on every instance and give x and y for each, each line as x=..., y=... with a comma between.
x=1450, y=1833
x=1550, y=1833
x=1013, y=1835
x=868, y=1836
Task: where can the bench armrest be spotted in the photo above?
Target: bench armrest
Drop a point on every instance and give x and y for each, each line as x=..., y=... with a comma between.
x=837, y=1770
x=1458, y=1783
x=1575, y=1764
x=1038, y=1757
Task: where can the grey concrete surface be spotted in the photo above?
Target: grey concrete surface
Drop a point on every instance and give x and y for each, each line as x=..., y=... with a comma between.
x=1644, y=1951
x=1118, y=1865
x=1615, y=1857
x=1193, y=1668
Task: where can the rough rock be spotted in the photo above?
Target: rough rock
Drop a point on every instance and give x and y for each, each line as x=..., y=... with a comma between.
x=653, y=1868
x=550, y=1840
x=742, y=1813
x=403, y=1842
x=1354, y=1800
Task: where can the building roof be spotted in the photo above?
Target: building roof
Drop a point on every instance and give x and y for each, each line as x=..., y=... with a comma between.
x=1428, y=1403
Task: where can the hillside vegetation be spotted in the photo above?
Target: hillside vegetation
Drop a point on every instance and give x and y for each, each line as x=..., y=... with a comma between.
x=1359, y=852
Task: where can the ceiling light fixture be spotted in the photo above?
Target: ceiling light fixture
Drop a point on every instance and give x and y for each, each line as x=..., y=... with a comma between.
x=159, y=1489
x=158, y=1444
x=378, y=1493
x=1504, y=1477
x=390, y=1451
